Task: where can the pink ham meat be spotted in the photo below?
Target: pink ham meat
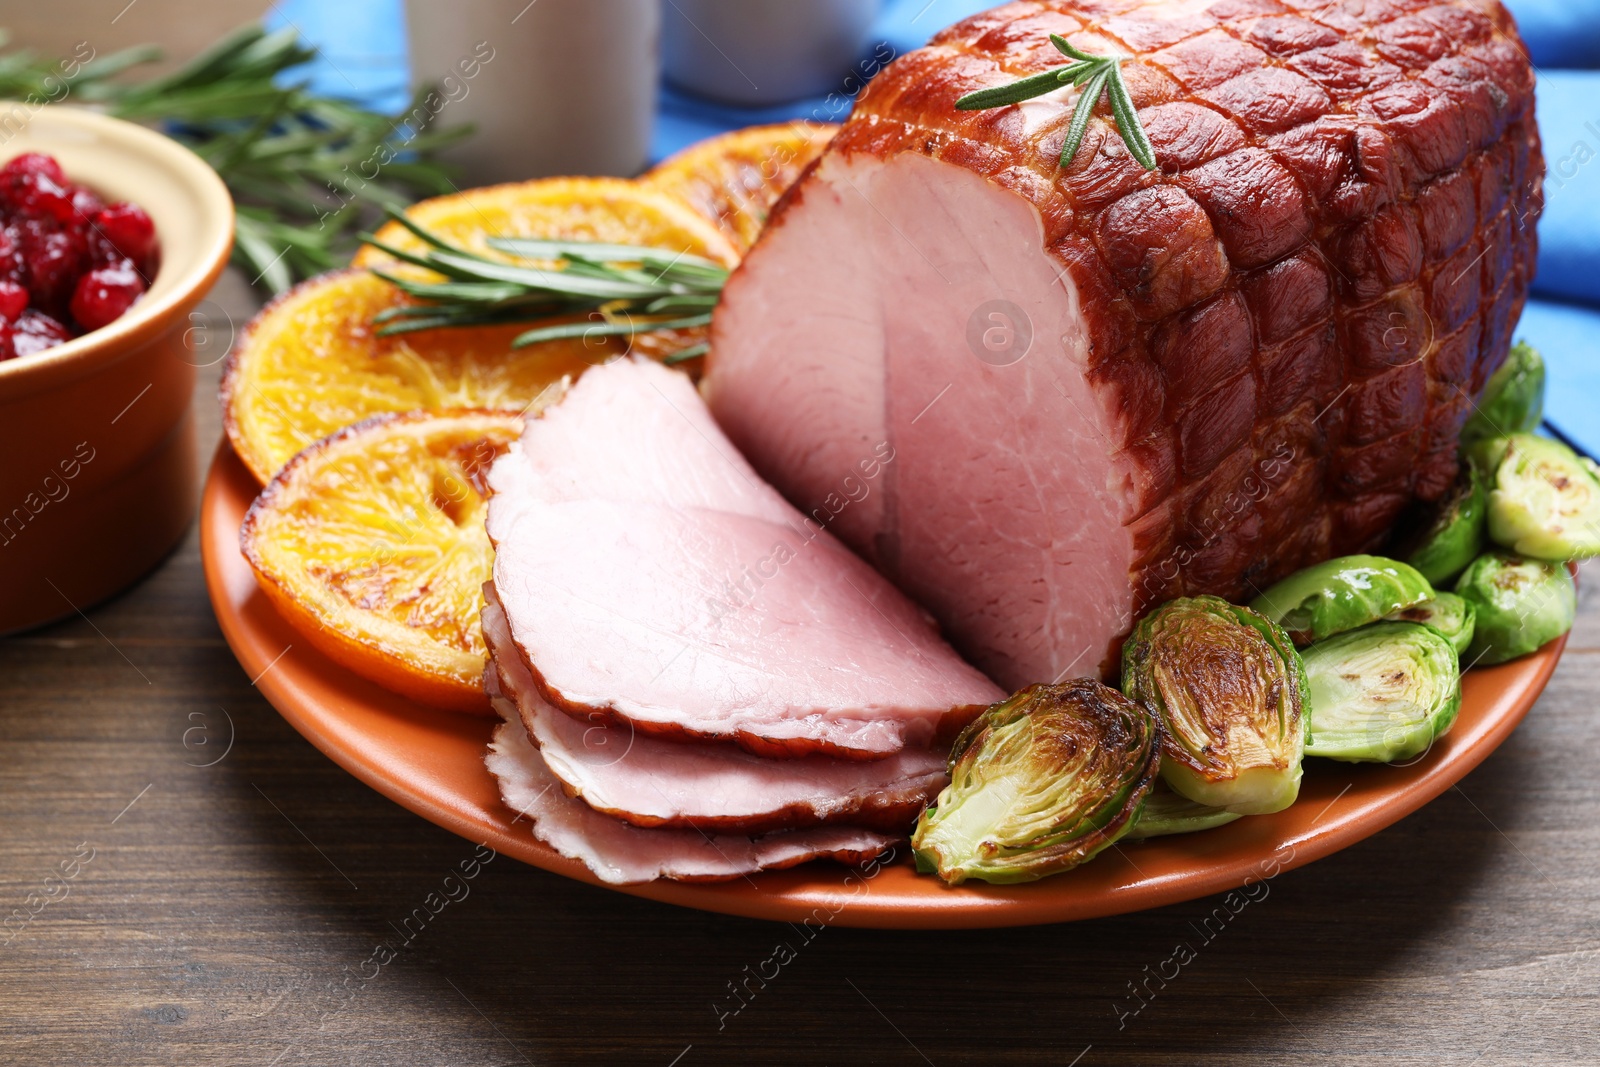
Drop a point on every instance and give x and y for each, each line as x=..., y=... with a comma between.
x=650, y=782
x=622, y=854
x=1103, y=387
x=651, y=578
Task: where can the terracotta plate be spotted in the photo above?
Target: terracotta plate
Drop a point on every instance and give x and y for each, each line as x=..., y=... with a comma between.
x=432, y=762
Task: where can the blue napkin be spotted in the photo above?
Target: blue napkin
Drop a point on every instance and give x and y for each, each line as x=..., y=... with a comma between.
x=903, y=26
x=1559, y=33
x=1566, y=335
x=361, y=48
x=1569, y=234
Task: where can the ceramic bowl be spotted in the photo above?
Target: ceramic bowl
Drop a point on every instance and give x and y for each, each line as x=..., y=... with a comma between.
x=98, y=476
x=759, y=52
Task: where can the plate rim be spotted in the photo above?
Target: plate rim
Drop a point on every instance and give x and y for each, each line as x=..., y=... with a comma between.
x=846, y=898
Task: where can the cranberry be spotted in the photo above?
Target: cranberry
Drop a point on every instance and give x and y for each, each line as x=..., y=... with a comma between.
x=13, y=301
x=12, y=269
x=102, y=253
x=31, y=163
x=103, y=295
x=85, y=206
x=54, y=258
x=36, y=331
x=128, y=228
x=35, y=190
x=8, y=347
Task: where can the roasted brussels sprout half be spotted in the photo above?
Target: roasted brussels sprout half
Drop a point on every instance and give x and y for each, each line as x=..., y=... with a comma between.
x=1447, y=613
x=1452, y=535
x=1544, y=500
x=1381, y=693
x=1342, y=594
x=1039, y=783
x=1520, y=604
x=1513, y=401
x=1169, y=812
x=1486, y=455
x=1226, y=684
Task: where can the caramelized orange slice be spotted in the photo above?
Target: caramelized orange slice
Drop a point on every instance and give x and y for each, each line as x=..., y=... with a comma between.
x=609, y=210
x=372, y=544
x=734, y=179
x=311, y=364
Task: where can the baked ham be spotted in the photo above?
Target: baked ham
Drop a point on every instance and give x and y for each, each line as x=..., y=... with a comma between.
x=651, y=782
x=1103, y=387
x=622, y=854
x=650, y=578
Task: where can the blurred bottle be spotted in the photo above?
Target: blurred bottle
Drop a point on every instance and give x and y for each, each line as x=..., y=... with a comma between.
x=763, y=51
x=553, y=86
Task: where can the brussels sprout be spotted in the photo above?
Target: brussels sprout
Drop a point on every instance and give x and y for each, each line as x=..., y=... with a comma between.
x=1544, y=501
x=1381, y=693
x=1168, y=812
x=1486, y=455
x=1342, y=594
x=1513, y=401
x=1227, y=685
x=1453, y=536
x=1039, y=783
x=1451, y=615
x=1520, y=604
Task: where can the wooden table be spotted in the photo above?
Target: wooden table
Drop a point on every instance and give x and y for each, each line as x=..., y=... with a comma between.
x=234, y=913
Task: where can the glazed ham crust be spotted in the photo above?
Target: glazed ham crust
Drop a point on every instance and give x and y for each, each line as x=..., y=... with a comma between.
x=1285, y=323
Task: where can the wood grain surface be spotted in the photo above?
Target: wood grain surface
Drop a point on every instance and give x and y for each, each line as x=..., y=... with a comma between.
x=220, y=893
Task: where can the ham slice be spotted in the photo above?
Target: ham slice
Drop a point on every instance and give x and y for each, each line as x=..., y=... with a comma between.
x=621, y=854
x=651, y=578
x=1105, y=386
x=648, y=781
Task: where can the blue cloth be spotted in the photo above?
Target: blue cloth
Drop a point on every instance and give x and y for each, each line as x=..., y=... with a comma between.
x=1559, y=33
x=1567, y=334
x=362, y=55
x=361, y=48
x=903, y=25
x=1569, y=233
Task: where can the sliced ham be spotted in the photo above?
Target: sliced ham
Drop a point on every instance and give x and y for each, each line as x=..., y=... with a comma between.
x=651, y=578
x=648, y=781
x=1104, y=387
x=622, y=854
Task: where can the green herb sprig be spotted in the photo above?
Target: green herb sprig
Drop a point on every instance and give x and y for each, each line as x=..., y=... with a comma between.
x=307, y=171
x=1094, y=76
x=629, y=289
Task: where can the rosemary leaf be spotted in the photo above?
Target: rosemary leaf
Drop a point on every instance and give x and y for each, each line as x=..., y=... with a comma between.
x=1095, y=76
x=421, y=323
x=1015, y=93
x=533, y=248
x=1066, y=48
x=686, y=354
x=1081, y=113
x=559, y=281
x=632, y=289
x=607, y=329
x=1127, y=117
x=426, y=261
x=472, y=292
x=669, y=304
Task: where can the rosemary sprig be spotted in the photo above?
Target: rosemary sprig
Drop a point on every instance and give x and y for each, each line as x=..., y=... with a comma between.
x=1094, y=76
x=627, y=288
x=307, y=171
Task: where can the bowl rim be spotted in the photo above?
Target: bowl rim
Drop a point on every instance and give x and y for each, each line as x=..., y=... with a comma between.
x=147, y=317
